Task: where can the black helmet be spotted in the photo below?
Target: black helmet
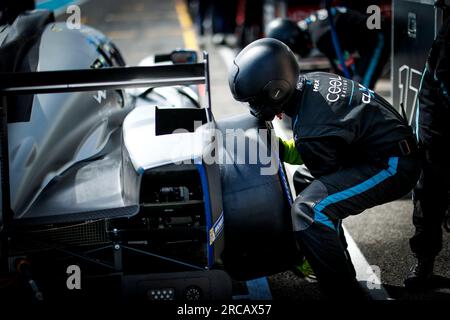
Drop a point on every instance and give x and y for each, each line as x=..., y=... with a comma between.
x=265, y=75
x=290, y=33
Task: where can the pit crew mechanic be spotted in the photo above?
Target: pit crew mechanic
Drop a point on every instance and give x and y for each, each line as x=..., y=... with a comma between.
x=364, y=58
x=431, y=193
x=360, y=150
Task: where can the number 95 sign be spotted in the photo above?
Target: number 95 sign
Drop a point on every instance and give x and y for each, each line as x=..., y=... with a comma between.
x=409, y=80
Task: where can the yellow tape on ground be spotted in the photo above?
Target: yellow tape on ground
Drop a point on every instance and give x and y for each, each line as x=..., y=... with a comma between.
x=187, y=27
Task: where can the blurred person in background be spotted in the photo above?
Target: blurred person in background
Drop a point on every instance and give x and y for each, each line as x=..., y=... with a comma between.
x=218, y=17
x=249, y=21
x=224, y=21
x=199, y=10
x=365, y=51
x=431, y=193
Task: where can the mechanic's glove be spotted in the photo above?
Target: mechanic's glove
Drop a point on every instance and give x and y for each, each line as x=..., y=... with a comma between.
x=288, y=152
x=303, y=270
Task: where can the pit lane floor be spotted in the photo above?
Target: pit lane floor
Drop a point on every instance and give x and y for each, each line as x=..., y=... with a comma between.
x=141, y=28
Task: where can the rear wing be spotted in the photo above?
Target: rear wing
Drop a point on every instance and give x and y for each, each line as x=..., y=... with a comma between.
x=42, y=82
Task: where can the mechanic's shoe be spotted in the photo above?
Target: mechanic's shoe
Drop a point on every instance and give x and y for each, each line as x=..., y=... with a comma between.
x=420, y=274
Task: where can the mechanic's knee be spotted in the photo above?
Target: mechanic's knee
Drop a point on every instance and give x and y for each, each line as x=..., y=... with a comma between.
x=302, y=214
x=302, y=211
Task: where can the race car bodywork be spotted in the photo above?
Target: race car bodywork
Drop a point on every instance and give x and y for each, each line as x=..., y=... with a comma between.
x=108, y=178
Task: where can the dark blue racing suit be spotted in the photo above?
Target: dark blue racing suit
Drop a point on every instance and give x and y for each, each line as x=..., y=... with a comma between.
x=361, y=152
x=433, y=129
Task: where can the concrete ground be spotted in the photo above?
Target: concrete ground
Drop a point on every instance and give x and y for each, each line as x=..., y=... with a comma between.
x=141, y=28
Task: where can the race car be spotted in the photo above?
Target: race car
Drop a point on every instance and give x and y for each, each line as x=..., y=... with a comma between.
x=116, y=182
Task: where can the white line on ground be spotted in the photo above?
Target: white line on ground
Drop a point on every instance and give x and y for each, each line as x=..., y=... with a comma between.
x=365, y=274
